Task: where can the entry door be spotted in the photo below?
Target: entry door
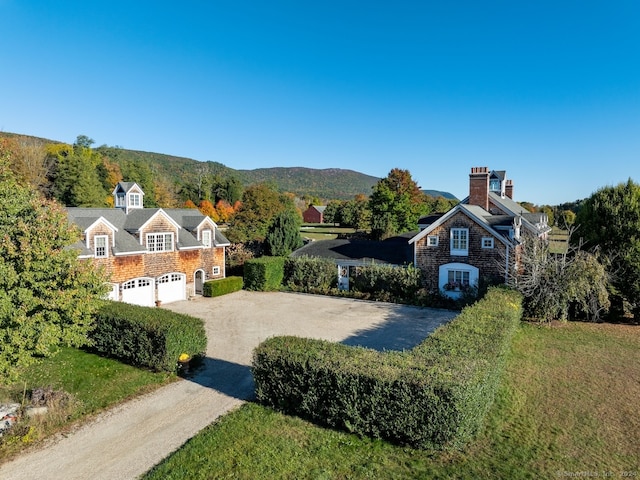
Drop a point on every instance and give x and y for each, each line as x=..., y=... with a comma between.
x=199, y=282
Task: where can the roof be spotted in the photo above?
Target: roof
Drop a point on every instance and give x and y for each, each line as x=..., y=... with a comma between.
x=393, y=251
x=126, y=225
x=319, y=208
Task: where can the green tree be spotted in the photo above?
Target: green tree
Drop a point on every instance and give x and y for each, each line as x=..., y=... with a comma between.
x=396, y=204
x=283, y=236
x=610, y=220
x=260, y=205
x=47, y=295
x=76, y=176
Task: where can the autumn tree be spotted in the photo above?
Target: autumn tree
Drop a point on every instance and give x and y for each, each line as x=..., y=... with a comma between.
x=47, y=296
x=260, y=205
x=396, y=204
x=207, y=208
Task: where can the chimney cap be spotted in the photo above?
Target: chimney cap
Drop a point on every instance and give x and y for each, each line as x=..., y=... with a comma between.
x=479, y=170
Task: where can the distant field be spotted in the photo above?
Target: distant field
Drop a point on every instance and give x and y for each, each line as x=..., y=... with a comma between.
x=558, y=240
x=323, y=231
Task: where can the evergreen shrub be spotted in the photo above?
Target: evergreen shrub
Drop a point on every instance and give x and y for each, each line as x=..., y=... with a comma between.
x=222, y=286
x=264, y=273
x=433, y=397
x=310, y=274
x=147, y=337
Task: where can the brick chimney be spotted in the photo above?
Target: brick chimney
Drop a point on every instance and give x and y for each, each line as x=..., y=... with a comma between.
x=508, y=189
x=479, y=187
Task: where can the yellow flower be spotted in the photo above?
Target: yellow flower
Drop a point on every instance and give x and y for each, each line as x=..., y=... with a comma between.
x=183, y=357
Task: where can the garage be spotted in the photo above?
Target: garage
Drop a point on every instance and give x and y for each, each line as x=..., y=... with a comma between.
x=139, y=291
x=172, y=287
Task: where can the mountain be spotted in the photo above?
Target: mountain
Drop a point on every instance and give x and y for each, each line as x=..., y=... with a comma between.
x=326, y=184
x=438, y=193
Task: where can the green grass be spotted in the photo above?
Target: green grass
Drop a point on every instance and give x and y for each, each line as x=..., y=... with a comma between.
x=94, y=383
x=322, y=231
x=568, y=404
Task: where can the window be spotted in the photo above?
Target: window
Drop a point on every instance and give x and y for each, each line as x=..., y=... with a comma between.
x=494, y=185
x=457, y=280
x=100, y=243
x=487, y=242
x=120, y=200
x=216, y=270
x=160, y=242
x=432, y=241
x=206, y=238
x=134, y=200
x=459, y=241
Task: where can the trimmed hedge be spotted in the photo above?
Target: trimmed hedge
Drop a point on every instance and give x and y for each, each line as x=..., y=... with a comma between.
x=222, y=286
x=434, y=396
x=264, y=273
x=147, y=337
x=310, y=274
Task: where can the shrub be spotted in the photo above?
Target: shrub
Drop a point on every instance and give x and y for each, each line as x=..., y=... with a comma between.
x=434, y=396
x=148, y=337
x=222, y=286
x=387, y=282
x=310, y=274
x=264, y=273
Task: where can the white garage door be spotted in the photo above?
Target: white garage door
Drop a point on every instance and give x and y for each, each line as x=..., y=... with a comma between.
x=139, y=291
x=172, y=287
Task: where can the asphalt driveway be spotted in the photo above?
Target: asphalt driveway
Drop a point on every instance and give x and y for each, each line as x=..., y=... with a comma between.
x=126, y=441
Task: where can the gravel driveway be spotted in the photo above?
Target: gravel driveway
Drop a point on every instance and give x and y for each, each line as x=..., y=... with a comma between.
x=126, y=441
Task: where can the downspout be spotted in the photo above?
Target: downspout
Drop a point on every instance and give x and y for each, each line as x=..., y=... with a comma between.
x=506, y=269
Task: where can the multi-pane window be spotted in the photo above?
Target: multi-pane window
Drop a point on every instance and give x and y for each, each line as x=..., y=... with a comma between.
x=160, y=242
x=134, y=199
x=459, y=241
x=100, y=243
x=457, y=280
x=216, y=270
x=432, y=241
x=487, y=242
x=206, y=238
x=120, y=200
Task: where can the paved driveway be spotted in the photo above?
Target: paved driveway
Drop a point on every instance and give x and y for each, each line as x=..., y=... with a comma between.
x=128, y=440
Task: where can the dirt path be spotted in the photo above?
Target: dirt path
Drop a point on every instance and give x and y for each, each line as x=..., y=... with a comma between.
x=125, y=442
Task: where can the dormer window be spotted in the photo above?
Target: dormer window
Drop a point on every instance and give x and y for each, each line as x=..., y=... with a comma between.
x=135, y=200
x=100, y=243
x=206, y=238
x=494, y=185
x=160, y=242
x=120, y=200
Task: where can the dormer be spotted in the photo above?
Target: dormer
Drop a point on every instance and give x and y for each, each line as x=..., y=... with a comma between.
x=128, y=196
x=497, y=182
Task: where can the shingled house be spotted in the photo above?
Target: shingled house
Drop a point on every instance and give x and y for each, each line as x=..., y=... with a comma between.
x=150, y=254
x=479, y=238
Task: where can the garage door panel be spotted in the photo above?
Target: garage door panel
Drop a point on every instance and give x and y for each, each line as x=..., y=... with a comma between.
x=139, y=291
x=172, y=287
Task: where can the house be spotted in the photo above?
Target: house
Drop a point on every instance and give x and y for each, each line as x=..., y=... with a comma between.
x=150, y=254
x=350, y=253
x=314, y=214
x=480, y=238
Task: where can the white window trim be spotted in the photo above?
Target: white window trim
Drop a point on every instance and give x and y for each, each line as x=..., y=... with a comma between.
x=106, y=246
x=138, y=200
x=215, y=270
x=121, y=200
x=461, y=252
x=155, y=235
x=487, y=242
x=432, y=240
x=207, y=236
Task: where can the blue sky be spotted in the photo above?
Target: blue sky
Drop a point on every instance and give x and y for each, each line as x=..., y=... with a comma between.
x=547, y=90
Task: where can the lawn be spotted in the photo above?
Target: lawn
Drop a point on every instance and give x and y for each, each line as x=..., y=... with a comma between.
x=568, y=407
x=323, y=231
x=94, y=382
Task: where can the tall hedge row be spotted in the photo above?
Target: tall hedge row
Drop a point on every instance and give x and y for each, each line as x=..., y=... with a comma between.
x=148, y=337
x=434, y=396
x=264, y=273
